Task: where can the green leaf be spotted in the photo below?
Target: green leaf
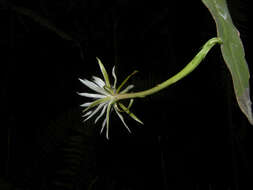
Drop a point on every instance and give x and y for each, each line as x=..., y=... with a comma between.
x=233, y=53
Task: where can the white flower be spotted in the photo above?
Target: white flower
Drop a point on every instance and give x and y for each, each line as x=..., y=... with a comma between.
x=104, y=99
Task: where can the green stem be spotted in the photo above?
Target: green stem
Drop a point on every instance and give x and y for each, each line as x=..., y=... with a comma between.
x=184, y=72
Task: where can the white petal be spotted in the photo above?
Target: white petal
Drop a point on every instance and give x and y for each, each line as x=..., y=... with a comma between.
x=122, y=119
x=115, y=77
x=89, y=95
x=127, y=89
x=86, y=104
x=99, y=81
x=108, y=112
x=88, y=113
x=95, y=111
x=107, y=131
x=103, y=126
x=93, y=86
x=101, y=114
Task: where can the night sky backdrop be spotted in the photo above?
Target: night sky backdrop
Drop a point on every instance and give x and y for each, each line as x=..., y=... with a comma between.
x=194, y=135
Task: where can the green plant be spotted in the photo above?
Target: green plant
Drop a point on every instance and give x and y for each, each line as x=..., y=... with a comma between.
x=233, y=54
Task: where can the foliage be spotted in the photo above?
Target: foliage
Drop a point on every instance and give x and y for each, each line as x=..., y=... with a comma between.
x=233, y=53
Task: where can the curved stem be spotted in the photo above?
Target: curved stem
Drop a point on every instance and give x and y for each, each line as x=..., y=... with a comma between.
x=181, y=74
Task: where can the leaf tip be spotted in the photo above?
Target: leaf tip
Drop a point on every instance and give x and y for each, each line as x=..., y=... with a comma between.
x=245, y=104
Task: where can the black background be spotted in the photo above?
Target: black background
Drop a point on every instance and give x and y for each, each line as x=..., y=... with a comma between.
x=194, y=135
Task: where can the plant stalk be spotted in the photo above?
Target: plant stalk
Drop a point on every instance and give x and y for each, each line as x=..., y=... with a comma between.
x=181, y=74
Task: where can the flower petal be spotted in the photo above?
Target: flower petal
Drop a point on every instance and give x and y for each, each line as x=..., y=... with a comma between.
x=95, y=111
x=86, y=104
x=99, y=81
x=122, y=119
x=124, y=82
x=89, y=95
x=101, y=114
x=103, y=70
x=103, y=125
x=88, y=113
x=115, y=78
x=108, y=118
x=130, y=103
x=96, y=102
x=93, y=86
x=127, y=89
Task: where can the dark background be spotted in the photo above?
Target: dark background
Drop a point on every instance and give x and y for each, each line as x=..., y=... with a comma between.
x=194, y=137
